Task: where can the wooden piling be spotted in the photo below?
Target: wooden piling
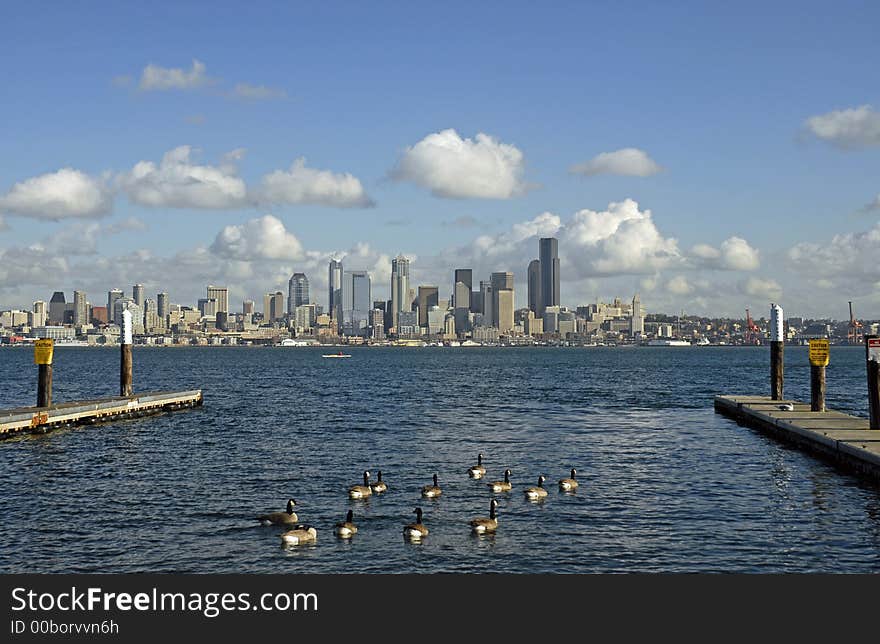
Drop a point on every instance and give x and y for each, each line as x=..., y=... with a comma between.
x=872, y=355
x=817, y=388
x=777, y=353
x=44, y=385
x=125, y=366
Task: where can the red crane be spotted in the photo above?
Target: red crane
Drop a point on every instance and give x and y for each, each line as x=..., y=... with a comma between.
x=752, y=331
x=854, y=336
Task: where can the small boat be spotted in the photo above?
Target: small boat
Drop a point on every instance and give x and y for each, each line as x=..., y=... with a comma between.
x=336, y=355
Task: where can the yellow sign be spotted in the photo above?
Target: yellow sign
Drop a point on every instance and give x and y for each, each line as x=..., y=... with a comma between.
x=819, y=353
x=43, y=351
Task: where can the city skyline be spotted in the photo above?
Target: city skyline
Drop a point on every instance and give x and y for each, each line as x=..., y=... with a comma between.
x=180, y=164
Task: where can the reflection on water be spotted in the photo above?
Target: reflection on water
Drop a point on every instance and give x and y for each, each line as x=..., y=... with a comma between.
x=665, y=483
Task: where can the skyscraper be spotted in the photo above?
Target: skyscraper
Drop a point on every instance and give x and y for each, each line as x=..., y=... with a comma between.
x=548, y=254
x=151, y=316
x=465, y=276
x=400, y=299
x=137, y=294
x=461, y=296
x=487, y=305
x=334, y=281
x=80, y=308
x=502, y=300
x=637, y=320
x=56, y=308
x=535, y=285
x=112, y=295
x=40, y=313
x=221, y=294
x=428, y=297
x=273, y=306
x=162, y=308
x=356, y=303
x=297, y=292
x=247, y=307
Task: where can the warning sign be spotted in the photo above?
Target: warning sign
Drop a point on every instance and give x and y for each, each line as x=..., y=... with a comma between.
x=819, y=353
x=874, y=349
x=43, y=351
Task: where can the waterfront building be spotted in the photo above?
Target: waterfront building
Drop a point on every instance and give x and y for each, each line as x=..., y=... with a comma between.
x=40, y=314
x=99, y=315
x=207, y=307
x=548, y=256
x=297, y=292
x=637, y=318
x=551, y=319
x=436, y=319
x=53, y=332
x=504, y=309
x=334, y=294
x=152, y=322
x=13, y=318
x=486, y=334
x=401, y=300
x=449, y=327
x=534, y=286
x=377, y=324
x=532, y=325
x=162, y=309
x=221, y=295
x=305, y=317
x=57, y=305
x=566, y=323
x=80, y=309
x=248, y=308
x=356, y=302
x=428, y=297
x=137, y=294
x=408, y=324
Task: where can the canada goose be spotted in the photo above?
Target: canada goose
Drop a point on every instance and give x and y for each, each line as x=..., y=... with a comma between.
x=536, y=493
x=502, y=486
x=299, y=534
x=567, y=485
x=360, y=491
x=346, y=529
x=786, y=407
x=280, y=518
x=477, y=471
x=430, y=491
x=379, y=486
x=415, y=531
x=483, y=525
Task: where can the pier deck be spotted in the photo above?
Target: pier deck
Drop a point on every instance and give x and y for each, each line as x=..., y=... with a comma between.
x=843, y=438
x=44, y=419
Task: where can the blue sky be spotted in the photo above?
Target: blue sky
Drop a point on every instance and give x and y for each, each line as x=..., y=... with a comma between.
x=717, y=95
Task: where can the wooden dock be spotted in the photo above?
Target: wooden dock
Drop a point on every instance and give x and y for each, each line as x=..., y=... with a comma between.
x=840, y=437
x=43, y=419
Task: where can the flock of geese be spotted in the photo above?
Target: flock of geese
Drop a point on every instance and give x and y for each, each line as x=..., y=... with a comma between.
x=302, y=533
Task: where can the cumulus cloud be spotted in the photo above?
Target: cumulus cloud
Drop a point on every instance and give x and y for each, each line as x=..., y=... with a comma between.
x=456, y=168
x=850, y=256
x=679, y=285
x=257, y=92
x=761, y=287
x=304, y=185
x=156, y=78
x=262, y=238
x=734, y=254
x=64, y=194
x=630, y=162
x=177, y=182
x=849, y=128
x=85, y=237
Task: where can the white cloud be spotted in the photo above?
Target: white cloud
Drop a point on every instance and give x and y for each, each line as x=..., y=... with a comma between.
x=303, y=185
x=735, y=254
x=156, y=78
x=64, y=194
x=851, y=257
x=178, y=183
x=853, y=127
x=3, y=224
x=456, y=168
x=762, y=287
x=627, y=161
x=257, y=92
x=679, y=285
x=262, y=238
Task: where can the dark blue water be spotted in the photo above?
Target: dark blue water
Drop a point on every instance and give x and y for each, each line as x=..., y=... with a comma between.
x=666, y=484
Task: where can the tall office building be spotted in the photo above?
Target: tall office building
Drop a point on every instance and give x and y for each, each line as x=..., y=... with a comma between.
x=162, y=309
x=40, y=313
x=637, y=319
x=80, y=308
x=221, y=294
x=297, y=292
x=428, y=297
x=400, y=291
x=502, y=300
x=112, y=295
x=356, y=302
x=57, y=305
x=487, y=304
x=334, y=280
x=461, y=296
x=207, y=307
x=137, y=314
x=535, y=286
x=247, y=307
x=464, y=276
x=273, y=306
x=151, y=316
x=137, y=294
x=548, y=255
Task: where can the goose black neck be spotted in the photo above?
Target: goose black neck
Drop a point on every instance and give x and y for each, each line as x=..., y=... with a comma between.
x=379, y=476
x=507, y=476
x=573, y=472
x=418, y=515
x=479, y=459
x=290, y=507
x=349, y=516
x=435, y=480
x=366, y=478
x=491, y=510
